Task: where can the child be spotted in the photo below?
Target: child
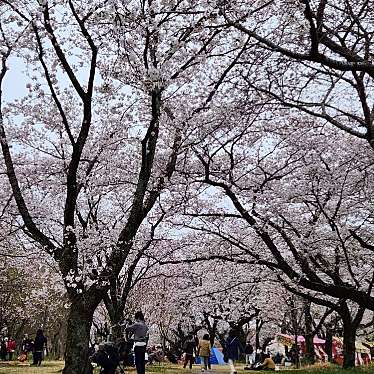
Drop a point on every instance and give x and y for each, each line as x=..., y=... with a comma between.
x=203, y=350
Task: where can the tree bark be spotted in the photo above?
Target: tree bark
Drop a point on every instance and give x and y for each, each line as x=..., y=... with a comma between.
x=349, y=347
x=116, y=320
x=309, y=345
x=77, y=340
x=117, y=330
x=328, y=344
x=259, y=324
x=211, y=327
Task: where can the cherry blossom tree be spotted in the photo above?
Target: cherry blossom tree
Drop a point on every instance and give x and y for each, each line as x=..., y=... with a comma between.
x=227, y=114
x=282, y=198
x=318, y=63
x=101, y=126
x=321, y=58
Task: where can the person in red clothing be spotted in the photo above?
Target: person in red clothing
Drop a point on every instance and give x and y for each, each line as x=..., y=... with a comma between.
x=10, y=348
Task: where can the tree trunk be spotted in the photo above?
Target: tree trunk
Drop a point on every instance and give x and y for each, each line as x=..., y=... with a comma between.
x=257, y=337
x=309, y=349
x=77, y=340
x=297, y=351
x=309, y=345
x=116, y=330
x=349, y=348
x=328, y=344
x=212, y=332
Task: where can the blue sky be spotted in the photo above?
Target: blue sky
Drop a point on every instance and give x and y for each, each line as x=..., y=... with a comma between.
x=15, y=80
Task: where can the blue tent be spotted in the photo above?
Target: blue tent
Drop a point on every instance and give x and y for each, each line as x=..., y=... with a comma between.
x=216, y=357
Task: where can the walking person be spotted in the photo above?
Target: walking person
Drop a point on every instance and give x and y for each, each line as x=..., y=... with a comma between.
x=40, y=343
x=232, y=349
x=189, y=350
x=139, y=330
x=203, y=351
x=249, y=355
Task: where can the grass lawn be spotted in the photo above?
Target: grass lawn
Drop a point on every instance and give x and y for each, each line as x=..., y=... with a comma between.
x=17, y=368
x=50, y=367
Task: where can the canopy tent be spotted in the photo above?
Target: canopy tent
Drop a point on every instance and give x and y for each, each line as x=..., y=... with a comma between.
x=289, y=340
x=274, y=347
x=362, y=352
x=361, y=348
x=368, y=344
x=216, y=357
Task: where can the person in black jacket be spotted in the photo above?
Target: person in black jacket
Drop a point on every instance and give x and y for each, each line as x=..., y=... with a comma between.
x=40, y=343
x=232, y=349
x=249, y=355
x=189, y=350
x=107, y=357
x=3, y=351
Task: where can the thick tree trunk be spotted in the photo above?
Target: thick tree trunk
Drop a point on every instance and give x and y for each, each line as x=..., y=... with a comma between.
x=349, y=348
x=309, y=349
x=77, y=340
x=116, y=330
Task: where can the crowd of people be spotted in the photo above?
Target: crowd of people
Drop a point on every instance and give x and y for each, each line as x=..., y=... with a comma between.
x=110, y=356
x=36, y=347
x=132, y=349
x=7, y=348
x=232, y=349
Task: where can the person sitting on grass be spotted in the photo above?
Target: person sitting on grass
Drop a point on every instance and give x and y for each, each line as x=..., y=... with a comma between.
x=267, y=364
x=156, y=354
x=107, y=358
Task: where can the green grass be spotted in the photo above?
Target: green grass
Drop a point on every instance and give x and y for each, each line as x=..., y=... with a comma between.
x=332, y=370
x=53, y=367
x=48, y=367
